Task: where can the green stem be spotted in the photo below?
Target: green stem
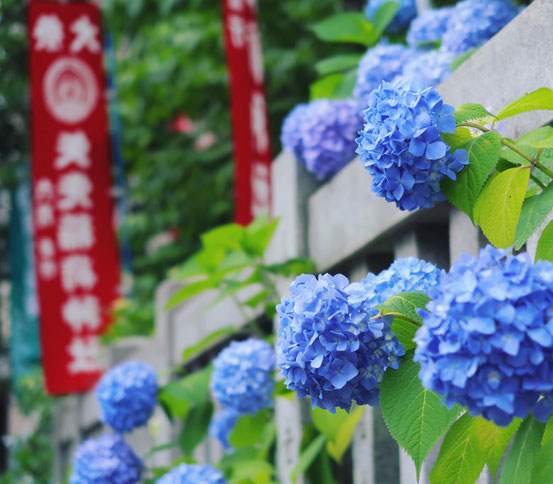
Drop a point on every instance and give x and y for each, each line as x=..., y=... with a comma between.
x=512, y=147
x=395, y=314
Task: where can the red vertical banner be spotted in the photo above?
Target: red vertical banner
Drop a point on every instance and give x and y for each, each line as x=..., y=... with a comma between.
x=252, y=143
x=77, y=265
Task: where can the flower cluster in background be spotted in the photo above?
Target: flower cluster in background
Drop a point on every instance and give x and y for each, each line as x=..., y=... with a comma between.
x=127, y=395
x=321, y=134
x=330, y=350
x=473, y=22
x=221, y=426
x=105, y=460
x=400, y=145
x=430, y=68
x=290, y=135
x=407, y=11
x=429, y=26
x=242, y=378
x=242, y=382
x=192, y=474
x=487, y=338
x=381, y=63
x=404, y=275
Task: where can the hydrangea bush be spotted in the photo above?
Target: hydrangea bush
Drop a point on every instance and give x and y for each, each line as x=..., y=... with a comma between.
x=242, y=378
x=429, y=26
x=127, y=395
x=487, y=338
x=330, y=350
x=105, y=460
x=290, y=135
x=430, y=68
x=192, y=474
x=381, y=63
x=473, y=22
x=401, y=147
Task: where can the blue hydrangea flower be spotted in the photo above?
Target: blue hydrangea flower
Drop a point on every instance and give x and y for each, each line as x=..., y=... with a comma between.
x=430, y=67
x=327, y=135
x=242, y=378
x=473, y=22
x=383, y=62
x=400, y=145
x=290, y=135
x=330, y=350
x=127, y=395
x=407, y=11
x=221, y=426
x=404, y=275
x=487, y=337
x=105, y=460
x=429, y=26
x=192, y=474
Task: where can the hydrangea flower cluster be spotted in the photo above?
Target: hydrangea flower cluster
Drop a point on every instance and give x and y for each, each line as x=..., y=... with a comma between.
x=473, y=22
x=290, y=135
x=242, y=378
x=429, y=26
x=404, y=275
x=127, y=395
x=327, y=135
x=487, y=337
x=221, y=426
x=329, y=349
x=105, y=460
x=400, y=145
x=383, y=62
x=431, y=67
x=407, y=11
x=192, y=474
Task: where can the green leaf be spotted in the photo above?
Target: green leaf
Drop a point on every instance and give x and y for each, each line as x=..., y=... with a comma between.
x=535, y=135
x=545, y=244
x=325, y=87
x=249, y=429
x=535, y=100
x=307, y=457
x=382, y=18
x=345, y=27
x=251, y=470
x=413, y=414
x=542, y=473
x=227, y=236
x=493, y=440
x=469, y=112
x=460, y=460
x=405, y=332
x=257, y=239
x=533, y=213
x=454, y=140
x=207, y=342
x=192, y=289
x=460, y=59
x=501, y=205
x=292, y=267
x=483, y=153
x=195, y=426
x=328, y=423
x=548, y=432
x=544, y=143
x=519, y=462
x=337, y=63
x=193, y=388
x=337, y=447
x=405, y=303
x=345, y=88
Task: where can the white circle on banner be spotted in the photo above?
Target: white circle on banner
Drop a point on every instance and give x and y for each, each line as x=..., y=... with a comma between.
x=70, y=90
